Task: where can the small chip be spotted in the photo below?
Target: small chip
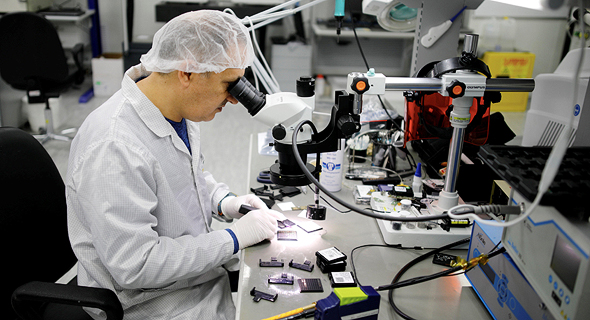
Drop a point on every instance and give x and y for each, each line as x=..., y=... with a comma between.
x=443, y=259
x=310, y=285
x=286, y=235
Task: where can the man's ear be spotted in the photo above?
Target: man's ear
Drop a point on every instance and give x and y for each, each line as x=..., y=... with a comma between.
x=184, y=78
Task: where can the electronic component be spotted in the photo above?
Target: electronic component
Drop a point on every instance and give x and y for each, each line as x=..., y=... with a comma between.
x=289, y=191
x=310, y=285
x=284, y=279
x=331, y=259
x=330, y=255
x=287, y=235
x=309, y=226
x=551, y=247
x=258, y=295
x=285, y=223
x=448, y=223
x=500, y=284
x=307, y=266
x=262, y=191
x=402, y=192
x=272, y=263
x=330, y=267
x=443, y=259
x=427, y=234
x=342, y=279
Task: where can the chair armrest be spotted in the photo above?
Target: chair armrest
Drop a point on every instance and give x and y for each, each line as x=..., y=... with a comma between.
x=26, y=295
x=77, y=52
x=78, y=55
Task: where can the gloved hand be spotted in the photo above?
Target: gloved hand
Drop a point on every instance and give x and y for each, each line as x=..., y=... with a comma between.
x=231, y=205
x=254, y=227
x=275, y=214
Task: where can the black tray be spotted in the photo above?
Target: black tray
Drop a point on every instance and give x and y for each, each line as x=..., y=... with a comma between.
x=521, y=167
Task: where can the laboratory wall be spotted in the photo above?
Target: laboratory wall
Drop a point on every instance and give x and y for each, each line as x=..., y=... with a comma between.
x=504, y=27
x=111, y=24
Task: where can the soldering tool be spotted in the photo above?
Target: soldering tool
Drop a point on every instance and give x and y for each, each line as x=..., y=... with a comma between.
x=350, y=303
x=338, y=15
x=295, y=313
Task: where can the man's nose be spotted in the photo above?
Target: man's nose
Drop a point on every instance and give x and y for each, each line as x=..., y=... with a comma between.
x=231, y=99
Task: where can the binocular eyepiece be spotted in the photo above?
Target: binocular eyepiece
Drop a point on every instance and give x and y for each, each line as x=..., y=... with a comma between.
x=247, y=95
x=255, y=100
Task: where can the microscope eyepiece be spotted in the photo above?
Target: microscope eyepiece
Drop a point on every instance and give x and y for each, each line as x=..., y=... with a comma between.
x=247, y=95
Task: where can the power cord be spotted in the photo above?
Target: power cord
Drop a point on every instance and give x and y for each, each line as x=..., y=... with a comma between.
x=414, y=262
x=367, y=66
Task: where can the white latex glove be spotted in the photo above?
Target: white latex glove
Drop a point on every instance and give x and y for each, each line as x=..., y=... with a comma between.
x=254, y=227
x=275, y=214
x=231, y=205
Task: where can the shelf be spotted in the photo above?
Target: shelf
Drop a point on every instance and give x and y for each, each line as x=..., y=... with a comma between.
x=324, y=31
x=68, y=18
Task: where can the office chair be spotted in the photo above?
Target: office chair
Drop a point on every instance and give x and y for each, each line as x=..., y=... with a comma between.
x=36, y=245
x=32, y=59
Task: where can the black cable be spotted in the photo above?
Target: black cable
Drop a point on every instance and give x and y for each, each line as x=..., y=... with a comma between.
x=311, y=178
x=497, y=252
x=359, y=43
x=412, y=263
x=494, y=248
x=367, y=66
x=420, y=279
x=331, y=205
x=365, y=246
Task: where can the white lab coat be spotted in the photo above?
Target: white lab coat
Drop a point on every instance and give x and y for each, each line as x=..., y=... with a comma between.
x=139, y=212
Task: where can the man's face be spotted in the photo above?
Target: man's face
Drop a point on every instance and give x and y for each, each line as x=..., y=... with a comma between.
x=208, y=94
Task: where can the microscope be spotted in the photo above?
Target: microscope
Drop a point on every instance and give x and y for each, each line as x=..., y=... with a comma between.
x=283, y=112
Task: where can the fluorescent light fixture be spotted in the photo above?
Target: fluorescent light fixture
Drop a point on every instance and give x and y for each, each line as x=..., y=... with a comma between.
x=534, y=4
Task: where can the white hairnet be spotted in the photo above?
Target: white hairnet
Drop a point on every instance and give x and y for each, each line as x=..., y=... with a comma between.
x=200, y=41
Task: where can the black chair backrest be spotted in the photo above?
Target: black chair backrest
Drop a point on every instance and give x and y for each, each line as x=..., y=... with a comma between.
x=33, y=216
x=31, y=53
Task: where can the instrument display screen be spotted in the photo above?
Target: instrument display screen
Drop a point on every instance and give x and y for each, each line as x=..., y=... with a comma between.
x=565, y=262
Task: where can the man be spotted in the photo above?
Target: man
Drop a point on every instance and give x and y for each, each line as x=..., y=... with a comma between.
x=139, y=201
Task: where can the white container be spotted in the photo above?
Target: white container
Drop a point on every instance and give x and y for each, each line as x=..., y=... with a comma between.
x=107, y=74
x=35, y=113
x=406, y=205
x=332, y=162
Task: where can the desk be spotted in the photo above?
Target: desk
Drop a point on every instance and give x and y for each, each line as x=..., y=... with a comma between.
x=444, y=298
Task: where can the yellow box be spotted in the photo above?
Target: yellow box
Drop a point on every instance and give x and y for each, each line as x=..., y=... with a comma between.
x=510, y=65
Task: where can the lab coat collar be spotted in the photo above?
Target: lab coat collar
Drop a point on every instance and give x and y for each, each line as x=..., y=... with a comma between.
x=147, y=111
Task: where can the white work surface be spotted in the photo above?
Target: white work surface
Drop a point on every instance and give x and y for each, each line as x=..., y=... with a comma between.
x=443, y=298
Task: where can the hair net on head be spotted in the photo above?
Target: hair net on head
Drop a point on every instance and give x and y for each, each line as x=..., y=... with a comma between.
x=200, y=41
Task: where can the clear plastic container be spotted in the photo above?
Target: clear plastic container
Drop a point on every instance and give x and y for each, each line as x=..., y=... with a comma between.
x=408, y=224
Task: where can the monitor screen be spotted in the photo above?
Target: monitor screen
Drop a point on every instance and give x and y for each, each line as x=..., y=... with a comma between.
x=565, y=262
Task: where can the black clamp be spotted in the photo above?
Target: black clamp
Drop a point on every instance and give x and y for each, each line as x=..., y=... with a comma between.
x=272, y=263
x=258, y=295
x=306, y=266
x=284, y=279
